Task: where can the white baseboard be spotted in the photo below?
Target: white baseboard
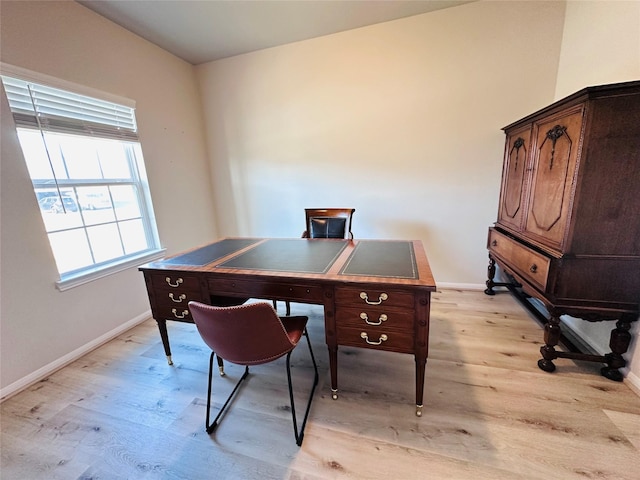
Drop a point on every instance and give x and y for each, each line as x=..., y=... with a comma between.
x=61, y=362
x=631, y=380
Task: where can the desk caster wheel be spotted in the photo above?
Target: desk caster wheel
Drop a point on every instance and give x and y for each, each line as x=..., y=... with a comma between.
x=418, y=410
x=334, y=394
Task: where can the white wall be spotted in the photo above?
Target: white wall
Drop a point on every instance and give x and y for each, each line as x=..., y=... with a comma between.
x=39, y=325
x=400, y=120
x=600, y=45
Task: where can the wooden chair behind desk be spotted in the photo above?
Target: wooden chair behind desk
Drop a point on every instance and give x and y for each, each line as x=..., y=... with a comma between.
x=328, y=222
x=325, y=223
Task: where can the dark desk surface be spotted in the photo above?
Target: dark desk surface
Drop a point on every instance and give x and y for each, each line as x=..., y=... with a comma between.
x=401, y=262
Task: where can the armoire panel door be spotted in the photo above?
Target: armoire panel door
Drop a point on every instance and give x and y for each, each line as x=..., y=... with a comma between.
x=554, y=165
x=514, y=178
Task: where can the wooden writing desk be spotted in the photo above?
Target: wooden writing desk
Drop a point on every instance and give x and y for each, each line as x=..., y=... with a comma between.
x=375, y=293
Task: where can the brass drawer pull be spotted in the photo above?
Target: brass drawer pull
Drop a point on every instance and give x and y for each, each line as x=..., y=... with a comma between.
x=365, y=317
x=494, y=243
x=383, y=338
x=533, y=268
x=381, y=298
x=174, y=285
x=180, y=298
x=183, y=314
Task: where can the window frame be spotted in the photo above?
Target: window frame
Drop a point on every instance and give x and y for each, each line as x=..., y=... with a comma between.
x=137, y=179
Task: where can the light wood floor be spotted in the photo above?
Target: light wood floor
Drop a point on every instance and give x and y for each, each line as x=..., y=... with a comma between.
x=122, y=413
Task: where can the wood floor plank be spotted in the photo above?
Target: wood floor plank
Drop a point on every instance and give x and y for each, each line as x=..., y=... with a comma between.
x=335, y=455
x=121, y=412
x=629, y=425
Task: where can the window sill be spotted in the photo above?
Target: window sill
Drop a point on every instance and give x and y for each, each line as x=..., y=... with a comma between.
x=73, y=281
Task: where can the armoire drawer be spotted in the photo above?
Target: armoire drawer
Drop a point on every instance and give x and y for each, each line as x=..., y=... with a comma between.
x=531, y=265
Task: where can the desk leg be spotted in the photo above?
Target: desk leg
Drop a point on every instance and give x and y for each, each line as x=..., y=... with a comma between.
x=421, y=364
x=221, y=366
x=333, y=366
x=162, y=326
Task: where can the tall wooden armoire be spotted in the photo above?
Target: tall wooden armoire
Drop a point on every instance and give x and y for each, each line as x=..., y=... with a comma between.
x=568, y=228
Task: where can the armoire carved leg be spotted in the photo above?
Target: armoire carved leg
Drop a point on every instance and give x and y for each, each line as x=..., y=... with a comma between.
x=491, y=273
x=619, y=343
x=551, y=339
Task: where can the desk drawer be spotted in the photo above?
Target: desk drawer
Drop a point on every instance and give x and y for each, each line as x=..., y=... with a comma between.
x=532, y=265
x=281, y=291
x=174, y=281
x=169, y=312
x=375, y=319
x=368, y=297
x=376, y=338
x=177, y=298
x=174, y=290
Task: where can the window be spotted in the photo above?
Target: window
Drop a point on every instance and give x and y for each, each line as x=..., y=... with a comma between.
x=88, y=176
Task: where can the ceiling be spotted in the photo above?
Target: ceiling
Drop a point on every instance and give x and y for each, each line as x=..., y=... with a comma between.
x=200, y=31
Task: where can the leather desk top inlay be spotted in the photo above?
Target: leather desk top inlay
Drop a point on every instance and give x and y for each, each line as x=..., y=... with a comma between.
x=289, y=255
x=391, y=259
x=211, y=253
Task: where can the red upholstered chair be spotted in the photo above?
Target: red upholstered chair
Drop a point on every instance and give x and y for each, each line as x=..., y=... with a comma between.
x=251, y=334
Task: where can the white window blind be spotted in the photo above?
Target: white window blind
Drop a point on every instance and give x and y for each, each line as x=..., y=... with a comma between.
x=38, y=106
x=88, y=175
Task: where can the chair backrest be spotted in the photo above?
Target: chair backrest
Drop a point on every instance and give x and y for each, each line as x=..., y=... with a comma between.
x=249, y=334
x=328, y=222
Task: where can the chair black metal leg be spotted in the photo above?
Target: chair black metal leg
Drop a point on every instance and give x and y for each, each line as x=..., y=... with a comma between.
x=300, y=434
x=287, y=305
x=210, y=427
